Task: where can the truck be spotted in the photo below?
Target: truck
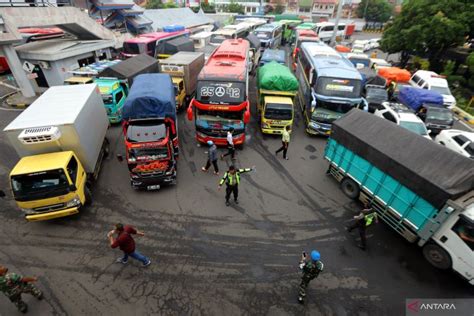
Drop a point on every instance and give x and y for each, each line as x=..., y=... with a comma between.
x=276, y=94
x=429, y=106
x=60, y=139
x=184, y=68
x=221, y=102
x=150, y=132
x=420, y=189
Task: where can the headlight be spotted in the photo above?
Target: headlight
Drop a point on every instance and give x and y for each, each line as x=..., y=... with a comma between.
x=27, y=210
x=265, y=125
x=314, y=125
x=132, y=159
x=74, y=202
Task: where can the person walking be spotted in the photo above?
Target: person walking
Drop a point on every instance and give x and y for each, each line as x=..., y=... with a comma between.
x=365, y=218
x=285, y=141
x=310, y=267
x=13, y=285
x=230, y=144
x=126, y=243
x=232, y=179
x=211, y=158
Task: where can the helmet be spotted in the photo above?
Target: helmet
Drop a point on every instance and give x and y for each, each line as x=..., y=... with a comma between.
x=210, y=142
x=315, y=255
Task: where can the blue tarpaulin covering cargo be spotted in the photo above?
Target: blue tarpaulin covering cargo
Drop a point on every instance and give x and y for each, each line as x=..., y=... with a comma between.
x=151, y=96
x=414, y=98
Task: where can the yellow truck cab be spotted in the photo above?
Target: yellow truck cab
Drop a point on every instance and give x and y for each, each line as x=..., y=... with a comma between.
x=60, y=139
x=179, y=91
x=277, y=90
x=277, y=111
x=49, y=185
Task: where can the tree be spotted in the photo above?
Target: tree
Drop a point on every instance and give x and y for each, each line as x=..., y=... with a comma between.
x=234, y=7
x=377, y=10
x=279, y=9
x=157, y=4
x=427, y=28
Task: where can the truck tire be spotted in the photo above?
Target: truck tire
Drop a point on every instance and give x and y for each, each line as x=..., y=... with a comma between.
x=88, y=195
x=350, y=188
x=437, y=256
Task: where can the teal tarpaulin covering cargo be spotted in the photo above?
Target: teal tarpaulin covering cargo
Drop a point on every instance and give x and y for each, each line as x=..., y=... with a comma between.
x=273, y=76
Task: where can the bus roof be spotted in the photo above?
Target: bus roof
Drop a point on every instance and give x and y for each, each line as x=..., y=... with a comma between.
x=150, y=37
x=229, y=60
x=268, y=27
x=328, y=62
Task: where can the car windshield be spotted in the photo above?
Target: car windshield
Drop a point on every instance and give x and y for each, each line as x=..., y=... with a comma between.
x=441, y=90
x=439, y=114
x=39, y=183
x=338, y=87
x=156, y=153
x=107, y=98
x=415, y=127
x=263, y=34
x=277, y=111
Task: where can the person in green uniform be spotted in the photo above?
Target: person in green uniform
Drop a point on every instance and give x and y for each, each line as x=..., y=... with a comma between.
x=13, y=285
x=310, y=267
x=365, y=218
x=232, y=179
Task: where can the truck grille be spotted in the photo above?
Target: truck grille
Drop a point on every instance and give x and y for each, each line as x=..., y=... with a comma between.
x=50, y=208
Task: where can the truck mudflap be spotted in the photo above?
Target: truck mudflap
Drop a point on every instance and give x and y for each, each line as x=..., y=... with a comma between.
x=51, y=215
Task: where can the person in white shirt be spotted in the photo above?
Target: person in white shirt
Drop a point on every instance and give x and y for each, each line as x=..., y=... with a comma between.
x=230, y=145
x=285, y=141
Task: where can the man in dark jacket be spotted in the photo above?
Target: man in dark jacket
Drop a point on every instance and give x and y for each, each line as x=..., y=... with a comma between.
x=126, y=243
x=211, y=158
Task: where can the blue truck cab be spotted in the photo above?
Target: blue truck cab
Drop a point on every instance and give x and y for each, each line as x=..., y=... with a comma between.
x=420, y=189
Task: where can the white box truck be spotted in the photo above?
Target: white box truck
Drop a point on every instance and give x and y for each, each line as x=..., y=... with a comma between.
x=61, y=141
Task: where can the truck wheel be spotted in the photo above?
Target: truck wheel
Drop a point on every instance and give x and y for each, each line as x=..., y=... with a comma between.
x=88, y=196
x=350, y=188
x=437, y=256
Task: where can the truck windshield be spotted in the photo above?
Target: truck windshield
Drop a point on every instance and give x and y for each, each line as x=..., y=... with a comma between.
x=218, y=92
x=439, y=114
x=465, y=230
x=143, y=154
x=335, y=106
x=338, y=87
x=219, y=119
x=276, y=111
x=45, y=183
x=131, y=48
x=108, y=99
x=415, y=127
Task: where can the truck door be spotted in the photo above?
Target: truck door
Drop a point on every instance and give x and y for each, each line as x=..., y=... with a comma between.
x=119, y=100
x=76, y=174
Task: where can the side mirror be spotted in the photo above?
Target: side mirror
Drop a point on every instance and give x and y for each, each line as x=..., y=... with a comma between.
x=429, y=131
x=72, y=188
x=119, y=157
x=247, y=117
x=189, y=112
x=2, y=194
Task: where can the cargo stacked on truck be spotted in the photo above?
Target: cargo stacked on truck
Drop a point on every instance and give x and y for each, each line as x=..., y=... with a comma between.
x=151, y=132
x=221, y=100
x=154, y=43
x=61, y=141
x=277, y=89
x=419, y=188
x=329, y=86
x=184, y=68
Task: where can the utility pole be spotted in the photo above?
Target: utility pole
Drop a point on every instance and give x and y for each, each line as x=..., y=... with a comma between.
x=365, y=9
x=338, y=17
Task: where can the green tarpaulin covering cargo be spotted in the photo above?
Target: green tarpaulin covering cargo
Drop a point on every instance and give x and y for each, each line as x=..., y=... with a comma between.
x=274, y=76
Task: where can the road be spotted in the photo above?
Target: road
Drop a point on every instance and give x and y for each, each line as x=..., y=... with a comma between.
x=209, y=259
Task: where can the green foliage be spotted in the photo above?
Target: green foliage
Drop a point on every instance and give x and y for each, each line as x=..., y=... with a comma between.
x=377, y=10
x=470, y=63
x=279, y=9
x=207, y=7
x=426, y=28
x=421, y=63
x=234, y=7
x=157, y=4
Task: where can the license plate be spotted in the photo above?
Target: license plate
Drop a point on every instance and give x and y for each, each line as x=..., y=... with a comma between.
x=153, y=187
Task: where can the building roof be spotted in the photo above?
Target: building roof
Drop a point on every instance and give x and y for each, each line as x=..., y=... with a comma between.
x=180, y=16
x=58, y=49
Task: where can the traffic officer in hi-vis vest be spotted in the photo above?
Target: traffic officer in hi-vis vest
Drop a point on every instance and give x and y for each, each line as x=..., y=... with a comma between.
x=232, y=179
x=366, y=217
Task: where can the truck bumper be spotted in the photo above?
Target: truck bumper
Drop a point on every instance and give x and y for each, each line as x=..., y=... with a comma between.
x=51, y=215
x=202, y=138
x=148, y=182
x=272, y=131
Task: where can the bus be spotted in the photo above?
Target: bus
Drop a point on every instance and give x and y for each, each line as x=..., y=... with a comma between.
x=150, y=43
x=221, y=101
x=329, y=86
x=234, y=31
x=270, y=35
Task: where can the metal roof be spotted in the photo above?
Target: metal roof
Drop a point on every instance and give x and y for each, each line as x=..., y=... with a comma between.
x=180, y=16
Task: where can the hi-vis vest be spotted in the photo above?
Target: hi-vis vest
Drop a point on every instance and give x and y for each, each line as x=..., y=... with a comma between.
x=369, y=218
x=233, y=179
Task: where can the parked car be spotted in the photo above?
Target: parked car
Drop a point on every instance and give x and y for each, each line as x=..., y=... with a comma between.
x=430, y=80
x=376, y=63
x=373, y=43
x=375, y=96
x=402, y=116
x=460, y=141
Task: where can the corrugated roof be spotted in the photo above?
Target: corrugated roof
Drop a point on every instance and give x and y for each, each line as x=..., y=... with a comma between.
x=180, y=16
